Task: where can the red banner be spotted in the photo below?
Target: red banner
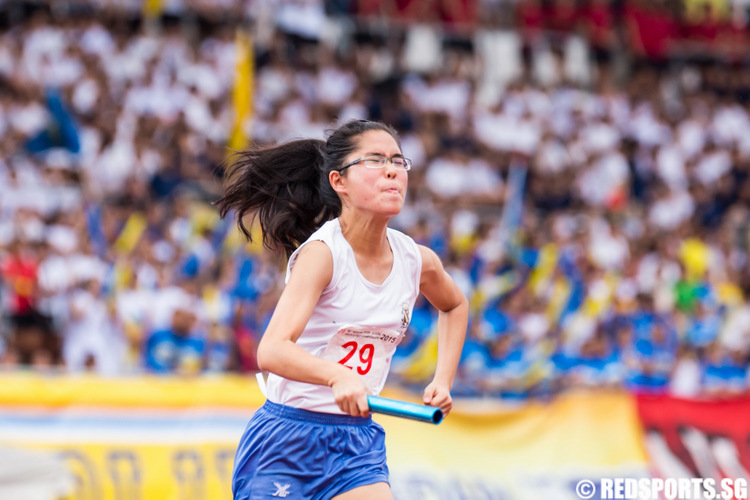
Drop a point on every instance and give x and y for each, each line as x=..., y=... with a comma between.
x=693, y=438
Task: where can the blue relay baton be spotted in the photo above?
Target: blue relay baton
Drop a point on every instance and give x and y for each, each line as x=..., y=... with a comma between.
x=421, y=413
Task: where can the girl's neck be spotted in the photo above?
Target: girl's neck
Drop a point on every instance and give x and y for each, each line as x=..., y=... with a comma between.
x=367, y=236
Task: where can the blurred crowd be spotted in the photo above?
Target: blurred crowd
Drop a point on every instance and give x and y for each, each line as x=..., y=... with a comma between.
x=592, y=203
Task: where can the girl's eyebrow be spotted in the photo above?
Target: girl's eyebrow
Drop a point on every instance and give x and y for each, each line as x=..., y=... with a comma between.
x=381, y=154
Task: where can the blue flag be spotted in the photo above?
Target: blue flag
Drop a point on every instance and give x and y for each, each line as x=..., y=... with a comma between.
x=61, y=132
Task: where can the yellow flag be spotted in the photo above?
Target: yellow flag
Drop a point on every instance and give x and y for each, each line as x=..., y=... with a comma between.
x=242, y=95
x=558, y=298
x=699, y=10
x=540, y=278
x=729, y=294
x=131, y=233
x=152, y=8
x=203, y=217
x=423, y=361
x=123, y=274
x=694, y=255
x=235, y=240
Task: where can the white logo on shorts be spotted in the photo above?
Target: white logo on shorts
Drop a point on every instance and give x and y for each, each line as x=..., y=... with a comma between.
x=282, y=490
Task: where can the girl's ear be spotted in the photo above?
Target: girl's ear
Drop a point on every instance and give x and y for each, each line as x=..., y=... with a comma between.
x=337, y=181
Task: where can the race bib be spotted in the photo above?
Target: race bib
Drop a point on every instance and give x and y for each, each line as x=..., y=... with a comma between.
x=365, y=350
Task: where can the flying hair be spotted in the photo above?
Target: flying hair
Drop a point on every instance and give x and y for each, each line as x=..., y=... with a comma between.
x=286, y=186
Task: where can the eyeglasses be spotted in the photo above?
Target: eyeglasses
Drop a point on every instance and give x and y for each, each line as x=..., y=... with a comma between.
x=380, y=161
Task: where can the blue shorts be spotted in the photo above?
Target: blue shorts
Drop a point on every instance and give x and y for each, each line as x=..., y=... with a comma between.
x=291, y=453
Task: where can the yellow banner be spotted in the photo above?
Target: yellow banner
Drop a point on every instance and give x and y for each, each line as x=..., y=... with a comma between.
x=172, y=438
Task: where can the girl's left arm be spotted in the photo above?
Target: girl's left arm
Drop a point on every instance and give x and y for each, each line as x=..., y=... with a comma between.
x=439, y=288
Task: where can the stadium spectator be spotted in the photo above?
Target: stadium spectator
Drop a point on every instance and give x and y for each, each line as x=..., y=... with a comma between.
x=634, y=193
x=179, y=348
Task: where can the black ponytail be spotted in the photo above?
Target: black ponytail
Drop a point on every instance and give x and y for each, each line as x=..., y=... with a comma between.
x=286, y=186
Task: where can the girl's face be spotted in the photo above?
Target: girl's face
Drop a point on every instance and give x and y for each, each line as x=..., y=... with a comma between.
x=378, y=190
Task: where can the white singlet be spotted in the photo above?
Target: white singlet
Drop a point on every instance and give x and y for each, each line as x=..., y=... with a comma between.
x=355, y=322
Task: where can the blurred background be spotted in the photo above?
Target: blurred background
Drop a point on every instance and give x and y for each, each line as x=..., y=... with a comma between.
x=582, y=167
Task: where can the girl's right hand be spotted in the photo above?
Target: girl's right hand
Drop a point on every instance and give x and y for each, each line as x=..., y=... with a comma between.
x=350, y=393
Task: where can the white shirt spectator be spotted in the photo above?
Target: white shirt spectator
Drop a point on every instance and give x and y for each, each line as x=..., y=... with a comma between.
x=205, y=78
x=729, y=124
x=91, y=332
x=85, y=95
x=603, y=179
x=334, y=85
x=90, y=139
x=686, y=379
x=533, y=326
x=607, y=251
x=273, y=84
x=97, y=40
x=448, y=96
x=646, y=128
x=113, y=166
x=484, y=180
x=198, y=115
x=670, y=166
x=28, y=118
x=222, y=56
x=691, y=137
x=735, y=333
x=166, y=300
x=669, y=212
x=413, y=148
x=47, y=42
x=538, y=102
x=302, y=17
x=600, y=136
x=464, y=223
x=712, y=166
x=446, y=177
x=422, y=52
x=132, y=306
x=7, y=57
x=355, y=110
x=55, y=275
x=553, y=156
x=63, y=71
x=503, y=132
x=121, y=67
x=85, y=267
